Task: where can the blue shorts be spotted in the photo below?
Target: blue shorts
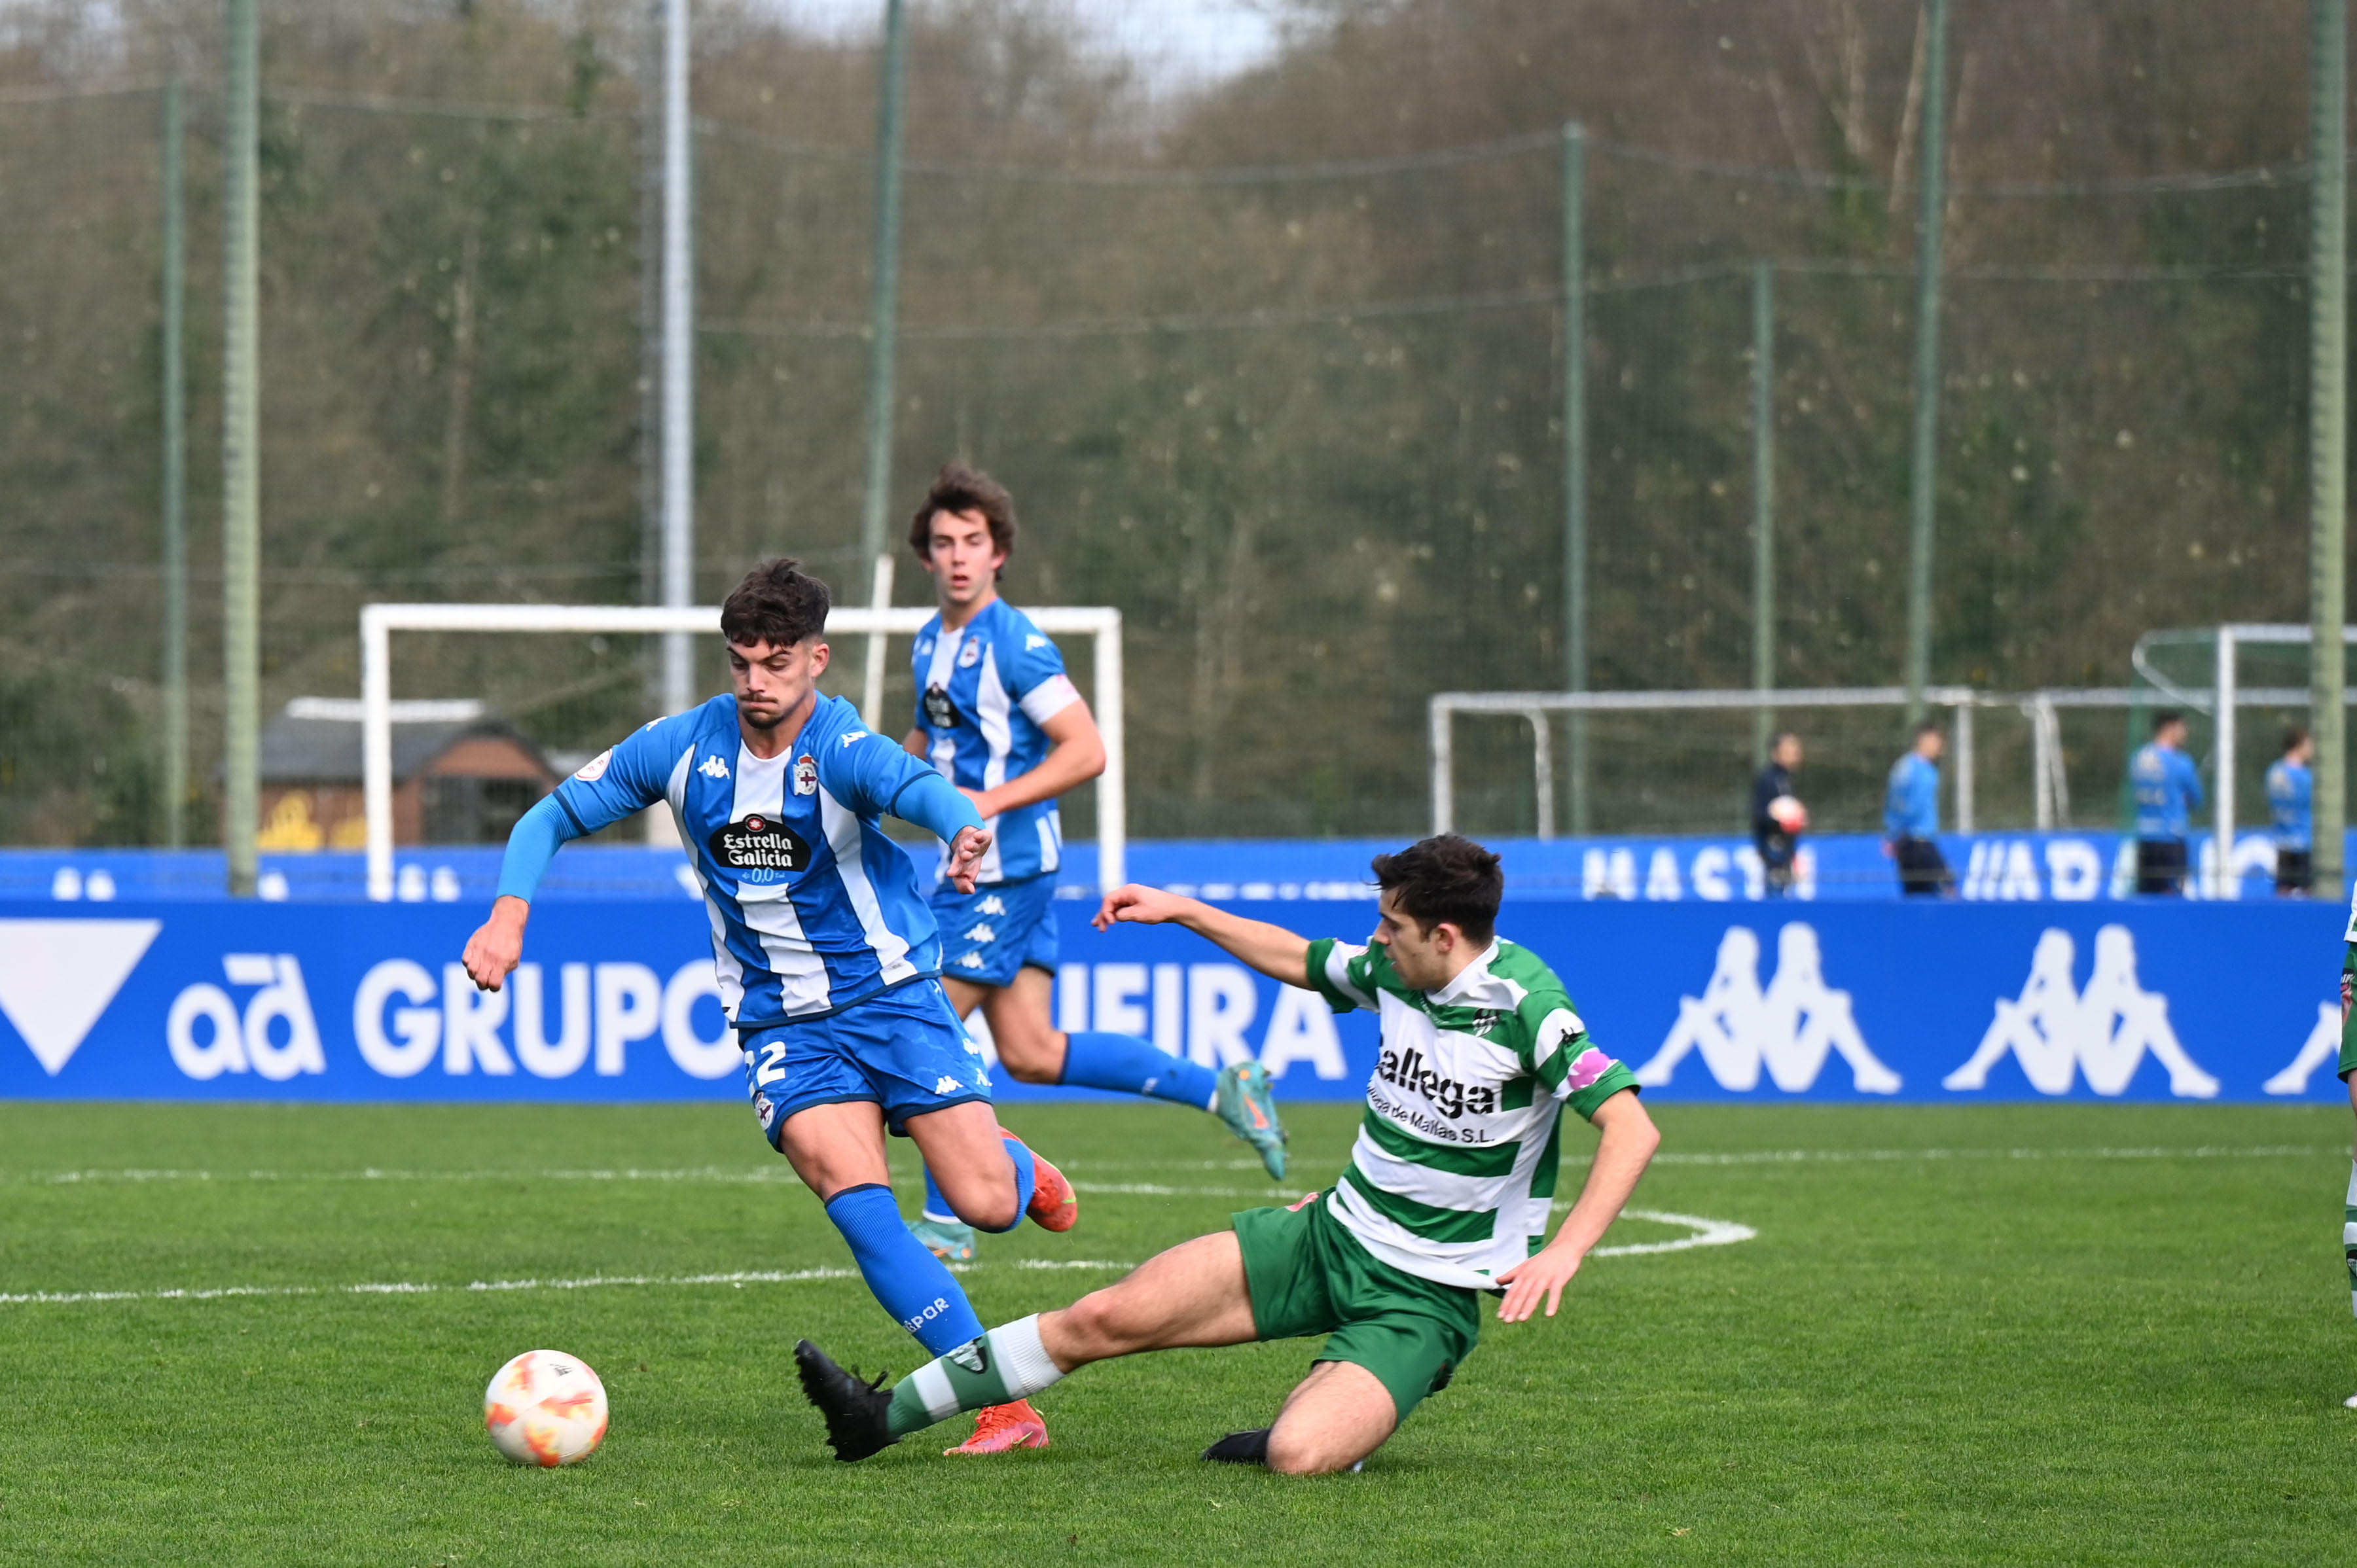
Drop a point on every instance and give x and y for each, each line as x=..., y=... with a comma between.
x=904, y=1049
x=994, y=930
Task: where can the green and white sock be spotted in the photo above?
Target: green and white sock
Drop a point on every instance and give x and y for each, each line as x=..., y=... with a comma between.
x=1003, y=1366
x=2349, y=1235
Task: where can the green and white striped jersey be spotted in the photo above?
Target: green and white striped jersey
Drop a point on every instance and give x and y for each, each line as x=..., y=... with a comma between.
x=1454, y=1173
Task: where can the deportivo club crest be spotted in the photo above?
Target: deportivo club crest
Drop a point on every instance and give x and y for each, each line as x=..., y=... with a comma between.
x=970, y=655
x=805, y=775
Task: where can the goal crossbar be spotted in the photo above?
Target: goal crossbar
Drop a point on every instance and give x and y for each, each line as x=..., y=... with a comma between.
x=379, y=622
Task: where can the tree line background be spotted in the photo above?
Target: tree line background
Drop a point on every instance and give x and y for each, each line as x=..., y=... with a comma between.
x=1272, y=361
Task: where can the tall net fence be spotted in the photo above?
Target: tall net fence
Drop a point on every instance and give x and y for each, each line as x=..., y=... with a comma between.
x=1296, y=406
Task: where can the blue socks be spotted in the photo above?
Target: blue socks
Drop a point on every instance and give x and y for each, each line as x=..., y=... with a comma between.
x=1027, y=1176
x=1127, y=1065
x=910, y=1283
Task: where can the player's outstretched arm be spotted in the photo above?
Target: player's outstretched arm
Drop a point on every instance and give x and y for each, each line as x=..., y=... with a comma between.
x=497, y=946
x=1280, y=954
x=1627, y=1144
x=1077, y=754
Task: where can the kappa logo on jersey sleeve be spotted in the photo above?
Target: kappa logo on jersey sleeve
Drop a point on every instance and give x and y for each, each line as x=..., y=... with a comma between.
x=714, y=767
x=980, y=931
x=1034, y=642
x=993, y=905
x=852, y=738
x=759, y=843
x=2054, y=1028
x=1790, y=1026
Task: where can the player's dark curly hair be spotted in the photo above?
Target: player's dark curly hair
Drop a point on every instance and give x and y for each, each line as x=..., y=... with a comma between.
x=1447, y=878
x=777, y=603
x=958, y=487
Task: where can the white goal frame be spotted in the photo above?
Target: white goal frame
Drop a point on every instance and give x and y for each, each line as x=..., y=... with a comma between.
x=378, y=623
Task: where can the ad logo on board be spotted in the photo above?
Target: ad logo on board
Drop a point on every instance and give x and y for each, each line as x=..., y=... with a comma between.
x=1790, y=1026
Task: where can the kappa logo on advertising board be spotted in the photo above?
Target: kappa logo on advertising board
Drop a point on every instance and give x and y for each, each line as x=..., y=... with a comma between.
x=208, y=1036
x=1790, y=1026
x=2054, y=1028
x=58, y=977
x=2322, y=1045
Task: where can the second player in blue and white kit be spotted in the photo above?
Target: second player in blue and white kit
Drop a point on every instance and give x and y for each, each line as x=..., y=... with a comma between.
x=999, y=718
x=827, y=954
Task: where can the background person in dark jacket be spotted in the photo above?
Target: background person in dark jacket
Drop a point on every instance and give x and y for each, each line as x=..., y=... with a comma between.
x=1777, y=817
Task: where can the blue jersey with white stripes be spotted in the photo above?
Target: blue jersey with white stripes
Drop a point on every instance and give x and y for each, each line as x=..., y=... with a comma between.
x=983, y=689
x=813, y=908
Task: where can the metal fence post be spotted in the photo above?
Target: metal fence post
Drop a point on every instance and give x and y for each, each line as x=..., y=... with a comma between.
x=1924, y=476
x=240, y=460
x=1763, y=501
x=1574, y=455
x=2327, y=445
x=175, y=479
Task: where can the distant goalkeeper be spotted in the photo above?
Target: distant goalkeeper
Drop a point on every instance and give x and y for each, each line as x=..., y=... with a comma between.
x=1446, y=1197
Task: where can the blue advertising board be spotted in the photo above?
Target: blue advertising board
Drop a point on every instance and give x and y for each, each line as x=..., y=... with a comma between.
x=1994, y=867
x=1924, y=1002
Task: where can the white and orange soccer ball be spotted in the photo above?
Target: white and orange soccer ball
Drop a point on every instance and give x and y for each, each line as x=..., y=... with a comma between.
x=545, y=1408
x=1788, y=814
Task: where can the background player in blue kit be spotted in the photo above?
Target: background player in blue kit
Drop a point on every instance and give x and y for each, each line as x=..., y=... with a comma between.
x=2290, y=800
x=998, y=717
x=2166, y=786
x=827, y=954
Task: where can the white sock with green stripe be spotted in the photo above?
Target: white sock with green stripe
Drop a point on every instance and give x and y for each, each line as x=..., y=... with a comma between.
x=1003, y=1366
x=2349, y=1235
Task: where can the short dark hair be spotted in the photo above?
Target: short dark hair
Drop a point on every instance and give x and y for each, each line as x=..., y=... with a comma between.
x=777, y=603
x=958, y=487
x=2166, y=717
x=2293, y=736
x=1929, y=726
x=1780, y=736
x=1446, y=878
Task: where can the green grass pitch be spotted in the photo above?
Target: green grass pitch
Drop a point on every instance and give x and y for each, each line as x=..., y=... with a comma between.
x=2040, y=1334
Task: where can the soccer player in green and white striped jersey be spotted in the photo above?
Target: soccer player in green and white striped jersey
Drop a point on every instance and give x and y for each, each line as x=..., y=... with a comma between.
x=1447, y=1196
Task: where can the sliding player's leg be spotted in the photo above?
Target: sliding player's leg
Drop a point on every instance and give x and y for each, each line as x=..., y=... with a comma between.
x=1192, y=1296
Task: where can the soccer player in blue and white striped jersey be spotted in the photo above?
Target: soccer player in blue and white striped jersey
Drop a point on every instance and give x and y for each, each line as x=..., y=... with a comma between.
x=828, y=957
x=998, y=717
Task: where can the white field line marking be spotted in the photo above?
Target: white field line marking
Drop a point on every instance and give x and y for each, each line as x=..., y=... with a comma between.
x=737, y=1278
x=1706, y=1233
x=781, y=1175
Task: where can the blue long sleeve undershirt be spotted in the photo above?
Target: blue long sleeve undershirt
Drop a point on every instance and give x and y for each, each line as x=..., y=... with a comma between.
x=532, y=846
x=936, y=805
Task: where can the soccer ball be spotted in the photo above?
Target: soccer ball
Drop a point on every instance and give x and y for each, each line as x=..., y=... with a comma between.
x=545, y=1408
x=1788, y=814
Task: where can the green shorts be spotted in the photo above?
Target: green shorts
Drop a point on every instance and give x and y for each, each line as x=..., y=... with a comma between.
x=2349, y=1022
x=1310, y=1275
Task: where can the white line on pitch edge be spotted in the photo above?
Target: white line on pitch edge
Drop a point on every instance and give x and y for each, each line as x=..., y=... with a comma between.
x=1706, y=1233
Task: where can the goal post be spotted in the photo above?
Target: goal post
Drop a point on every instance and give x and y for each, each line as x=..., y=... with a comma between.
x=1101, y=623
